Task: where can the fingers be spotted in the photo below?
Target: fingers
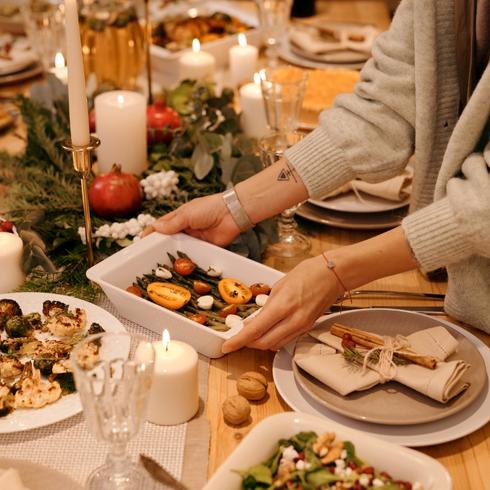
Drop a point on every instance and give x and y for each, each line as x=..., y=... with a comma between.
x=148, y=230
x=171, y=223
x=254, y=329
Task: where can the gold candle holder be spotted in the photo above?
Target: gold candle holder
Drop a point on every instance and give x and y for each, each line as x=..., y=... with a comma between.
x=82, y=163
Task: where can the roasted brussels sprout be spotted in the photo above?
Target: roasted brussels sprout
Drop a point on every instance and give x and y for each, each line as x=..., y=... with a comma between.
x=33, y=319
x=8, y=309
x=6, y=400
x=44, y=365
x=51, y=308
x=66, y=382
x=95, y=328
x=18, y=327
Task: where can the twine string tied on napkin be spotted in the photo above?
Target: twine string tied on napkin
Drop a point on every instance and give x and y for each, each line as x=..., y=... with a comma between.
x=386, y=366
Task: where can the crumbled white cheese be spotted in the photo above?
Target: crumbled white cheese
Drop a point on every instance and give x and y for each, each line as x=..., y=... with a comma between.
x=364, y=479
x=348, y=472
x=301, y=465
x=288, y=453
x=340, y=463
x=233, y=321
x=378, y=483
x=206, y=302
x=417, y=486
x=163, y=273
x=343, y=454
x=261, y=299
x=213, y=271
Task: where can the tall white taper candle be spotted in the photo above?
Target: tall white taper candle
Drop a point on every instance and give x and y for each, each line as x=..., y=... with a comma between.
x=77, y=97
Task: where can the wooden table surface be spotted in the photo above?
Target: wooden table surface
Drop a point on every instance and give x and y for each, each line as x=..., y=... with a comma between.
x=467, y=459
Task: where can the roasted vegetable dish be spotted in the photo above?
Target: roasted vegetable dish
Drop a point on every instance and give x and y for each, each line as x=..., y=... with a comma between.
x=200, y=294
x=177, y=33
x=35, y=350
x=310, y=462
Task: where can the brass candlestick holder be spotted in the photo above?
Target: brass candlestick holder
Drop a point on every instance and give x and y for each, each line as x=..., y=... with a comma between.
x=82, y=163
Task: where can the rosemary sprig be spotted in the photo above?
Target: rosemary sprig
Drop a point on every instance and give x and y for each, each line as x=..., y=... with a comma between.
x=354, y=356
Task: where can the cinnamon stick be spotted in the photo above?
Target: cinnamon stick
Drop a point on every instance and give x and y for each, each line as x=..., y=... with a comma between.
x=371, y=340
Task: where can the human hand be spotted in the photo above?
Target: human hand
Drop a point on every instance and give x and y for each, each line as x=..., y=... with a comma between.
x=295, y=303
x=206, y=218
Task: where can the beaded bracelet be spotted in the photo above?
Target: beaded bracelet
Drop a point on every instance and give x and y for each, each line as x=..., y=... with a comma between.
x=331, y=265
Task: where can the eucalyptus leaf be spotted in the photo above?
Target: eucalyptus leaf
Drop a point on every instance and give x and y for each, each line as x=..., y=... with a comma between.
x=202, y=161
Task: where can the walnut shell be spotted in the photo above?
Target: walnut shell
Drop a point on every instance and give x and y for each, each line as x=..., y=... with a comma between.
x=252, y=385
x=236, y=410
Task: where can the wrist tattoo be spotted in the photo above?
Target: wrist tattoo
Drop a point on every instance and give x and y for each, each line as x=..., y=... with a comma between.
x=287, y=173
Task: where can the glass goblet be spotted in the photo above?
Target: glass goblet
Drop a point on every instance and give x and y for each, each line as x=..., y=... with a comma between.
x=114, y=388
x=291, y=242
x=283, y=90
x=274, y=17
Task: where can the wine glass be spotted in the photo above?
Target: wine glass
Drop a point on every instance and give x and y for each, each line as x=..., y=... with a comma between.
x=291, y=243
x=114, y=387
x=274, y=17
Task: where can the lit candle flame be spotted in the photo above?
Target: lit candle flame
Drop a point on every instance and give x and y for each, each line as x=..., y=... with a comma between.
x=120, y=99
x=242, y=39
x=196, y=45
x=257, y=78
x=59, y=60
x=192, y=13
x=165, y=339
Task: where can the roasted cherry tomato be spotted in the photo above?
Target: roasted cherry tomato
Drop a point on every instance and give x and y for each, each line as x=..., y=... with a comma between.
x=168, y=295
x=234, y=292
x=228, y=310
x=184, y=267
x=259, y=288
x=134, y=290
x=199, y=318
x=201, y=287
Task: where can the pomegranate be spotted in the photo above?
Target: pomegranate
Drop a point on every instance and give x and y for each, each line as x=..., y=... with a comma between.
x=162, y=121
x=115, y=194
x=91, y=121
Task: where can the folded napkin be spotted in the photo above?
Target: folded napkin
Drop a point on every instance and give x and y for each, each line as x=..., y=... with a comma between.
x=326, y=363
x=10, y=480
x=395, y=189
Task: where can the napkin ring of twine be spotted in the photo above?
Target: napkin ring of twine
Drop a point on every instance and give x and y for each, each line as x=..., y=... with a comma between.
x=385, y=366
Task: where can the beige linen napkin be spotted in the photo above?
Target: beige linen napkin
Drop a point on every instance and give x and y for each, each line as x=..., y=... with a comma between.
x=329, y=367
x=396, y=189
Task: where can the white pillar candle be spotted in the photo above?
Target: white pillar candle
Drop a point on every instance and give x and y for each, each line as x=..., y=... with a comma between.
x=243, y=61
x=253, y=118
x=174, y=394
x=120, y=119
x=196, y=64
x=11, y=276
x=77, y=98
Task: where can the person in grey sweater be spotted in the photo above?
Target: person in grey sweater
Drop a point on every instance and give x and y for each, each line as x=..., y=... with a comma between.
x=424, y=92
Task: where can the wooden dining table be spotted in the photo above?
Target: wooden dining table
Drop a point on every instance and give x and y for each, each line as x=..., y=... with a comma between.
x=468, y=458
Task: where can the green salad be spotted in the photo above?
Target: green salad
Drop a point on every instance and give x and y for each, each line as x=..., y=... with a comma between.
x=307, y=461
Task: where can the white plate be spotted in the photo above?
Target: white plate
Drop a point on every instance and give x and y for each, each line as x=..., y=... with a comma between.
x=352, y=221
x=20, y=59
x=286, y=53
x=66, y=406
x=449, y=429
x=120, y=270
x=38, y=477
x=262, y=440
x=348, y=202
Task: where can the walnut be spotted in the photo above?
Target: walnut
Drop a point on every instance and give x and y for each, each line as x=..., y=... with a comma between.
x=236, y=410
x=252, y=385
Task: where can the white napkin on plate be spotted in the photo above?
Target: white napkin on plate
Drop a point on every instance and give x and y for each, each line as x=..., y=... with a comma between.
x=330, y=367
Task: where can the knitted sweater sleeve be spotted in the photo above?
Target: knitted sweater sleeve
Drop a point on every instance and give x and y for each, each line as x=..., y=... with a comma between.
x=369, y=133
x=458, y=225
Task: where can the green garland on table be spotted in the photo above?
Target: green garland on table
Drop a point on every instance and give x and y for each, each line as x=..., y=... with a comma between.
x=43, y=191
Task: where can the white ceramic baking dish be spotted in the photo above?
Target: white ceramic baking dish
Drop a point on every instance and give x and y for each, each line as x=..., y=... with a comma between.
x=165, y=62
x=120, y=270
x=400, y=462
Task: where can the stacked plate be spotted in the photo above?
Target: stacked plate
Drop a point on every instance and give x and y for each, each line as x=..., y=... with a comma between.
x=321, y=45
x=391, y=411
x=17, y=61
x=355, y=210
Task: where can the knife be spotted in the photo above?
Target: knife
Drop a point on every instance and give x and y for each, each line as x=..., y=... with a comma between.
x=160, y=474
x=427, y=310
x=401, y=294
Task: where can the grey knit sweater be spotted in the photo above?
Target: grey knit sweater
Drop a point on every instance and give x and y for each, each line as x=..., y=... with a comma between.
x=407, y=103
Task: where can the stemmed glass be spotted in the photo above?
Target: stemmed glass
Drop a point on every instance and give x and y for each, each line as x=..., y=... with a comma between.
x=114, y=387
x=274, y=17
x=283, y=90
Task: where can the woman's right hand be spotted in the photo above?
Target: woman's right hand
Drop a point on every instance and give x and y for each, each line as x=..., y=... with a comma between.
x=206, y=218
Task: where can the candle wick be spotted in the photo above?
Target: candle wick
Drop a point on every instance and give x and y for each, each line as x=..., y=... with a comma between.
x=166, y=347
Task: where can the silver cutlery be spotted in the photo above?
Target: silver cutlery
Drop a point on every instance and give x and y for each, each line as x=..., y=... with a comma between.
x=399, y=294
x=426, y=310
x=160, y=474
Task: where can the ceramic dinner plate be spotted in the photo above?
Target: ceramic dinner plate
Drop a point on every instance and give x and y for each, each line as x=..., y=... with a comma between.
x=66, y=406
x=352, y=221
x=30, y=72
x=262, y=440
x=468, y=420
x=349, y=202
x=393, y=403
x=38, y=477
